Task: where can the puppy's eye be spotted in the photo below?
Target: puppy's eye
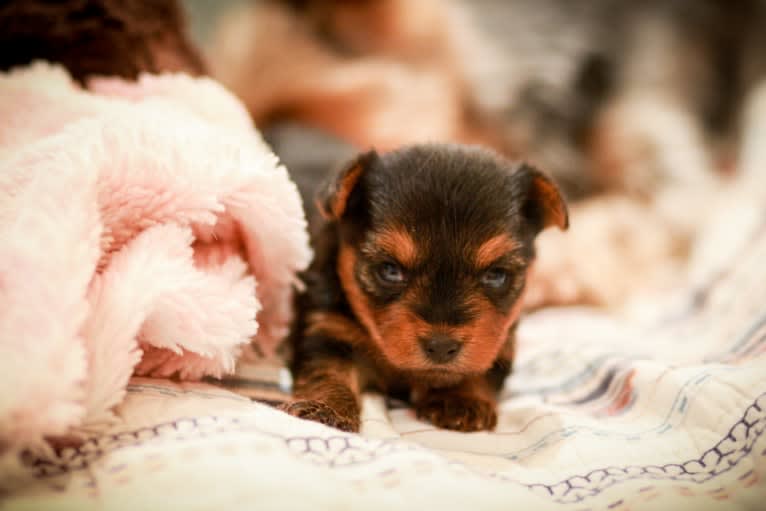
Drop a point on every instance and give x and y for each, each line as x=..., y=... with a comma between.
x=494, y=278
x=390, y=273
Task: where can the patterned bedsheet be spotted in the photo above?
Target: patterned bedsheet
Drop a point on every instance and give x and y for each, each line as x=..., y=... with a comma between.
x=663, y=410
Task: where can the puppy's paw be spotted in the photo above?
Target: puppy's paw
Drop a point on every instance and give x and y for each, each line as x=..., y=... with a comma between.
x=458, y=412
x=320, y=412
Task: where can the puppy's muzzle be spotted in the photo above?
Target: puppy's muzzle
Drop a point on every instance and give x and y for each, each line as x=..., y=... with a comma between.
x=440, y=348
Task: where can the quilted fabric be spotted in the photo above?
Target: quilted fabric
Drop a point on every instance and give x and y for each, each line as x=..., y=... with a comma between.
x=660, y=410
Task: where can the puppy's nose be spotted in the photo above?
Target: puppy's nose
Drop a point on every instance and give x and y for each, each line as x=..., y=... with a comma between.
x=440, y=348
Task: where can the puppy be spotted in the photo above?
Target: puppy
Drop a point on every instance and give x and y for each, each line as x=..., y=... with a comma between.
x=416, y=286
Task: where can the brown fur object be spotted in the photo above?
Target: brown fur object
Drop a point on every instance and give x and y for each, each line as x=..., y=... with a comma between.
x=98, y=37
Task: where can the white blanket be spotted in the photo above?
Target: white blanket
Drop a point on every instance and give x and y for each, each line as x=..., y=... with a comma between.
x=662, y=411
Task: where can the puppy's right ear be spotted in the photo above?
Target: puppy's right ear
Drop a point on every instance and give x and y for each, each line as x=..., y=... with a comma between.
x=334, y=197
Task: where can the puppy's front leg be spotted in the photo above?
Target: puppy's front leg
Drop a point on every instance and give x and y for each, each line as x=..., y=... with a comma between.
x=325, y=384
x=469, y=406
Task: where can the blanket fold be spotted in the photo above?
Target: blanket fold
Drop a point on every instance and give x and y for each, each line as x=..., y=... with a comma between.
x=145, y=228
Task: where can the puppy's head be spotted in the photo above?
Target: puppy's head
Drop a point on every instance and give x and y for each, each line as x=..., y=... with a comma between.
x=435, y=245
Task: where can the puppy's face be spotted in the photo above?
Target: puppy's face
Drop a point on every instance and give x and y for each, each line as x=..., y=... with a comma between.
x=435, y=246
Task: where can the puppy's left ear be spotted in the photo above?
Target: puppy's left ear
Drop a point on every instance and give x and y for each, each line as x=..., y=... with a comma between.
x=335, y=197
x=543, y=204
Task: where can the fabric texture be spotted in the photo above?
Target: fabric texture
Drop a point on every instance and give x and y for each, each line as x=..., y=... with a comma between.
x=662, y=407
x=145, y=228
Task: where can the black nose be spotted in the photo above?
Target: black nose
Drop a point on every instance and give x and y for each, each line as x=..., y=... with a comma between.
x=440, y=348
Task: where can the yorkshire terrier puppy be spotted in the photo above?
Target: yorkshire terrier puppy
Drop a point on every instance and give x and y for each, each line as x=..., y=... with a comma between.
x=417, y=283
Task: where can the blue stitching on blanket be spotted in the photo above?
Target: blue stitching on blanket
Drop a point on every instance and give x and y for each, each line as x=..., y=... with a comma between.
x=691, y=470
x=573, y=380
x=350, y=450
x=139, y=388
x=749, y=341
x=553, y=436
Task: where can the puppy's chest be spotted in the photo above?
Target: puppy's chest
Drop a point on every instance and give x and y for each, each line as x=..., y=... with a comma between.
x=379, y=376
x=376, y=373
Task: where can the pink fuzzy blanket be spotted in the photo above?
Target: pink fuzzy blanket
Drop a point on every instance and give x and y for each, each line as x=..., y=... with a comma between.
x=144, y=228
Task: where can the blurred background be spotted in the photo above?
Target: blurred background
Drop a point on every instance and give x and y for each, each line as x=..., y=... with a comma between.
x=588, y=90
x=642, y=111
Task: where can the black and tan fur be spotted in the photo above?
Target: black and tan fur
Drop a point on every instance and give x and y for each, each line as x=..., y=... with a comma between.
x=416, y=286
